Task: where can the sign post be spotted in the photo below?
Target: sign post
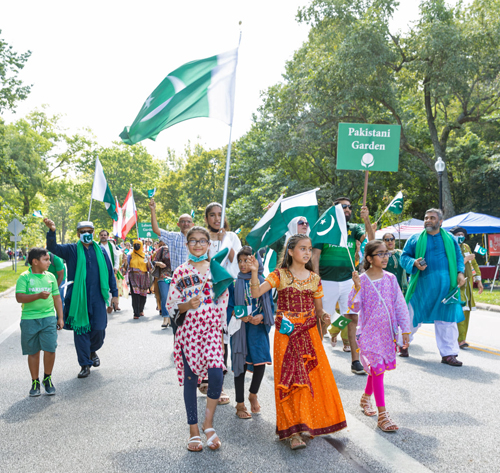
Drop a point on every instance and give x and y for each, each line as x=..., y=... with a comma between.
x=145, y=230
x=15, y=227
x=365, y=147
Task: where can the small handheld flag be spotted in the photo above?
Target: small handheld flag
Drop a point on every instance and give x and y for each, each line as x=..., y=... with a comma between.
x=286, y=326
x=479, y=249
x=238, y=231
x=396, y=205
x=151, y=193
x=241, y=311
x=341, y=322
x=453, y=297
x=192, y=213
x=38, y=214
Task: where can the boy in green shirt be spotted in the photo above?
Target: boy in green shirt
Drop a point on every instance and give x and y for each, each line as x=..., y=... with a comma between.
x=39, y=327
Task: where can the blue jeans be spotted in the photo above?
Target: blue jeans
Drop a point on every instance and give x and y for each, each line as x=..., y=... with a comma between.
x=163, y=287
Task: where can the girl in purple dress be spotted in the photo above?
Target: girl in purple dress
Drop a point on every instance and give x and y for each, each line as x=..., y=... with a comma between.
x=377, y=298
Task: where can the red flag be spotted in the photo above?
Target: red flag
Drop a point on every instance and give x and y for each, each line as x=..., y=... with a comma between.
x=129, y=214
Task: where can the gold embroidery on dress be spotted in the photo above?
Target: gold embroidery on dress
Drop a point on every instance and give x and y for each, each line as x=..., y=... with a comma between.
x=287, y=280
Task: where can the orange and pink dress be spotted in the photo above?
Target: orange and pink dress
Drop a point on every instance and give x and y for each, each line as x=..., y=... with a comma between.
x=307, y=398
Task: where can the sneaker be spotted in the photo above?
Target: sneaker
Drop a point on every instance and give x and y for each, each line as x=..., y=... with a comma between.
x=35, y=388
x=50, y=390
x=357, y=367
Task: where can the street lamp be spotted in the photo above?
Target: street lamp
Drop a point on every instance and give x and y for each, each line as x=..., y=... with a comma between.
x=440, y=165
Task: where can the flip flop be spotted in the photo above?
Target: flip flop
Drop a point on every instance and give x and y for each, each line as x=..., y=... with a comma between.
x=196, y=439
x=210, y=441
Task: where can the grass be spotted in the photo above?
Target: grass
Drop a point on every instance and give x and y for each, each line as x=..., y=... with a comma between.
x=8, y=277
x=488, y=297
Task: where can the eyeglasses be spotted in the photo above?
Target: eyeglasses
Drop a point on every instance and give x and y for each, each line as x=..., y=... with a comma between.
x=347, y=206
x=389, y=239
x=301, y=222
x=202, y=242
x=382, y=255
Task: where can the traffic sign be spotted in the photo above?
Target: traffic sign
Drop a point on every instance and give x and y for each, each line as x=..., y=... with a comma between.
x=16, y=238
x=15, y=226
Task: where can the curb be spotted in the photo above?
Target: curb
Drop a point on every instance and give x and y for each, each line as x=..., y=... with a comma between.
x=8, y=291
x=491, y=307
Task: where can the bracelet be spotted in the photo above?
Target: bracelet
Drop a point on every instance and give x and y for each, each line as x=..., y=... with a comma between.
x=254, y=285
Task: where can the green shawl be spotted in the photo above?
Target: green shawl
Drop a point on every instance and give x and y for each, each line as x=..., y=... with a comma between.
x=78, y=317
x=449, y=247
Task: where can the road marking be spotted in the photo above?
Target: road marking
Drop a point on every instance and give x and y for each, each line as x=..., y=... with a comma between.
x=8, y=332
x=475, y=346
x=380, y=449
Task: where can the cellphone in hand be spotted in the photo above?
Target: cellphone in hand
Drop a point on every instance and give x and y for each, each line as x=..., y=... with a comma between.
x=423, y=262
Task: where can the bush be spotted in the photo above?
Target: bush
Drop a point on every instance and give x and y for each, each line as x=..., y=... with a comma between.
x=3, y=256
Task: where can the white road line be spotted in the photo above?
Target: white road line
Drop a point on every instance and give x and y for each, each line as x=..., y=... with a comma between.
x=8, y=332
x=381, y=449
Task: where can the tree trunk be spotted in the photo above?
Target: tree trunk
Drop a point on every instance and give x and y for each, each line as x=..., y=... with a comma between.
x=448, y=208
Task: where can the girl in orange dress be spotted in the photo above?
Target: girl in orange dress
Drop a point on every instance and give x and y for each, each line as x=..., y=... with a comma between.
x=307, y=398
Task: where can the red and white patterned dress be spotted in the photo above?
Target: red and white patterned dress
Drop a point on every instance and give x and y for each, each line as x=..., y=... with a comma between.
x=200, y=336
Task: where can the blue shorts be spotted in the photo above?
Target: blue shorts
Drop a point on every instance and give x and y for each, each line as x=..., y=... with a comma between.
x=38, y=334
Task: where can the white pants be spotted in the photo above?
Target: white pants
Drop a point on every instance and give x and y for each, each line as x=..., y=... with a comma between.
x=336, y=292
x=446, y=336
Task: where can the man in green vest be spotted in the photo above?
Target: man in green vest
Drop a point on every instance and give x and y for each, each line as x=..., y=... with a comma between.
x=114, y=256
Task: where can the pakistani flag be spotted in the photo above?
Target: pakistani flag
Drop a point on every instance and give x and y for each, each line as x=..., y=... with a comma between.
x=274, y=224
x=202, y=88
x=38, y=214
x=453, y=297
x=330, y=228
x=151, y=193
x=396, y=205
x=241, y=311
x=101, y=191
x=479, y=249
x=340, y=321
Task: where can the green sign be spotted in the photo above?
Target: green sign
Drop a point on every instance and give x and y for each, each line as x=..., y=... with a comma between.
x=146, y=231
x=363, y=147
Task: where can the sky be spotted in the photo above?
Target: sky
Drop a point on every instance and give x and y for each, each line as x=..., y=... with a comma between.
x=96, y=62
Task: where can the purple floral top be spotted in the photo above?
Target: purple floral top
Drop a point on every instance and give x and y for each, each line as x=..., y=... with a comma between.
x=375, y=334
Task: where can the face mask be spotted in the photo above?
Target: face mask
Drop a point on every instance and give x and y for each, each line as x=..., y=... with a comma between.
x=137, y=247
x=197, y=259
x=461, y=239
x=86, y=238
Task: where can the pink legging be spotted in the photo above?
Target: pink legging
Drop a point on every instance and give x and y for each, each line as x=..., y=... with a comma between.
x=375, y=384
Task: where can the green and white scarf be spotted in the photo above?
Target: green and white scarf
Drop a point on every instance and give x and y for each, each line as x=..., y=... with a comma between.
x=420, y=250
x=78, y=318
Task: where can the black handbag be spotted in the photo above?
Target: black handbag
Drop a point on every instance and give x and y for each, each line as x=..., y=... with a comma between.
x=179, y=317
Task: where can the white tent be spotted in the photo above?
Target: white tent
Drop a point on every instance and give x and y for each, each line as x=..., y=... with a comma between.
x=402, y=230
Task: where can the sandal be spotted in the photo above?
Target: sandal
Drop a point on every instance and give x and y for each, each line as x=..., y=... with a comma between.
x=296, y=443
x=224, y=399
x=385, y=423
x=203, y=387
x=136, y=317
x=346, y=348
x=210, y=441
x=255, y=409
x=242, y=413
x=366, y=405
x=197, y=440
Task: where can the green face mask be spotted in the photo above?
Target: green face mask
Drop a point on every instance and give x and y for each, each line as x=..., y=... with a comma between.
x=461, y=239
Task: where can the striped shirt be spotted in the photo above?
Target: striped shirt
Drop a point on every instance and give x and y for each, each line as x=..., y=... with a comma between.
x=176, y=242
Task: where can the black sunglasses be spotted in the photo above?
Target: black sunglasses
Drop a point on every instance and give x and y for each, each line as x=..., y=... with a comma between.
x=301, y=222
x=389, y=239
x=347, y=206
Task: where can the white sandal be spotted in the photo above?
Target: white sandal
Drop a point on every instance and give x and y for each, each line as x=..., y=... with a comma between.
x=210, y=441
x=196, y=439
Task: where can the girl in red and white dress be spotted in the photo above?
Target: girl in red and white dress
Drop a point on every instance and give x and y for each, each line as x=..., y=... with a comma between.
x=198, y=348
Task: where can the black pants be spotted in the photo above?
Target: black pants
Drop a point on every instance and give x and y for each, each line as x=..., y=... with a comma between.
x=239, y=382
x=138, y=303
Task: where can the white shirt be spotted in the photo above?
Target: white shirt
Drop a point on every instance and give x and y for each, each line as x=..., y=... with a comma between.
x=230, y=241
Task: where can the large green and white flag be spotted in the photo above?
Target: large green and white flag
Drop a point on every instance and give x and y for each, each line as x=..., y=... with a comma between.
x=270, y=228
x=396, y=205
x=202, y=88
x=331, y=228
x=101, y=191
x=301, y=205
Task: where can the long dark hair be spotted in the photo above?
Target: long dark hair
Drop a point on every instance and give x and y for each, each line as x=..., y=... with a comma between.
x=292, y=243
x=207, y=210
x=370, y=250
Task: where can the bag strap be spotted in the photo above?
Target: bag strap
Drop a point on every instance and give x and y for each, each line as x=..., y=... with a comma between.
x=385, y=305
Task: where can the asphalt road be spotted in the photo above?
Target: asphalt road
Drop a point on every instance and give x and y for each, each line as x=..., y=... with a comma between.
x=128, y=416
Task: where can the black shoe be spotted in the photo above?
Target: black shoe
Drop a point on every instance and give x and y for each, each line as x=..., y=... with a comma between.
x=451, y=360
x=50, y=390
x=35, y=388
x=95, y=359
x=84, y=372
x=403, y=352
x=357, y=367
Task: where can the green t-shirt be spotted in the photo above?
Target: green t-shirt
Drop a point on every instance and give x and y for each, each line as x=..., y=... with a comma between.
x=57, y=265
x=334, y=263
x=29, y=283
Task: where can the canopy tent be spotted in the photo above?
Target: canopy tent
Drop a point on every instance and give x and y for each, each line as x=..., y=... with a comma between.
x=474, y=223
x=402, y=230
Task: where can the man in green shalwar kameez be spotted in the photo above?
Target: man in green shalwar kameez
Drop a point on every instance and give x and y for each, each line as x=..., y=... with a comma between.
x=472, y=275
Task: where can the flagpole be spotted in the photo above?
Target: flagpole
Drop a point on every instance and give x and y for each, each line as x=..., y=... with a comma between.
x=90, y=208
x=228, y=158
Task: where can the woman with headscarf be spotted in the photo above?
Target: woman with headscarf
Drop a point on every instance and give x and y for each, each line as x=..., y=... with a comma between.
x=138, y=276
x=296, y=225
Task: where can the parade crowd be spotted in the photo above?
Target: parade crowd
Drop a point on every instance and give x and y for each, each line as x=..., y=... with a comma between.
x=221, y=306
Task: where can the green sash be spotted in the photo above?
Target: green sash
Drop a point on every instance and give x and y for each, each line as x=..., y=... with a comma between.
x=111, y=254
x=78, y=317
x=449, y=247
